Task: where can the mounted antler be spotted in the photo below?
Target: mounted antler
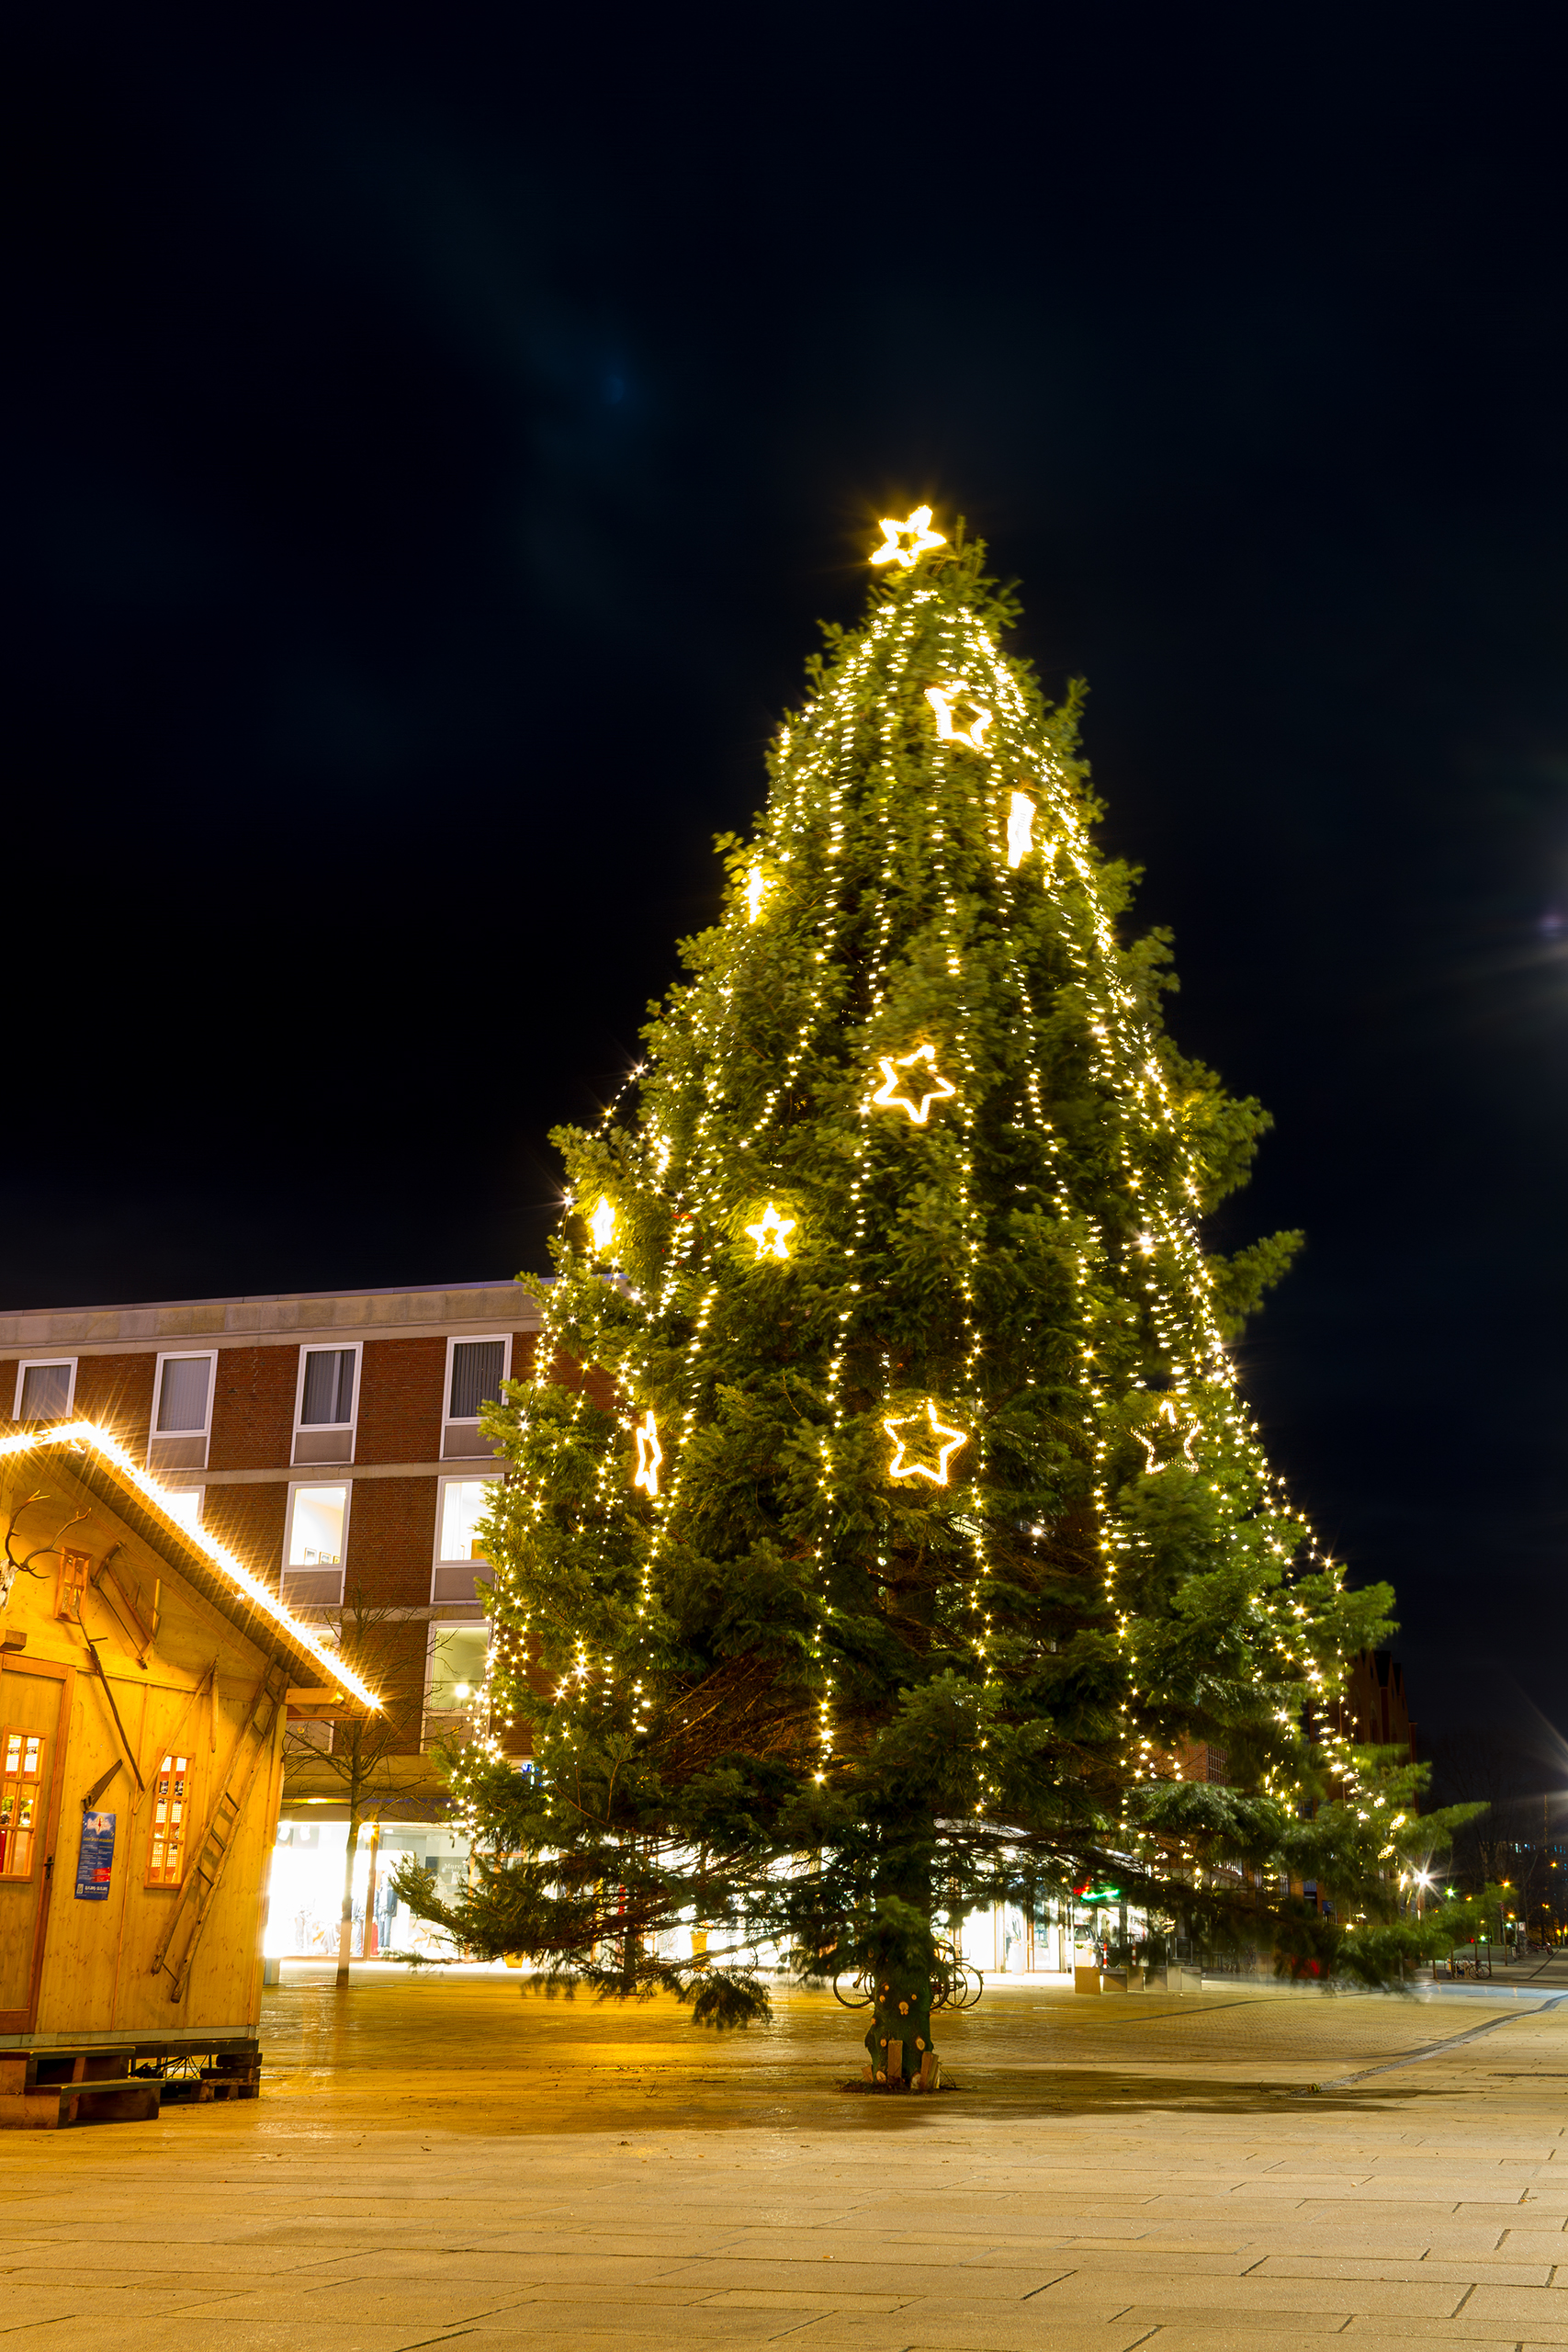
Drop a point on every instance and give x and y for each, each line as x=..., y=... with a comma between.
x=11, y=1568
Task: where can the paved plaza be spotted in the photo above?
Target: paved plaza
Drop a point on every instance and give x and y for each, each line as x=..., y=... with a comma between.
x=437, y=2160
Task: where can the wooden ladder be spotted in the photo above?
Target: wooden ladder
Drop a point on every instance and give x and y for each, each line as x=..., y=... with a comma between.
x=177, y=1946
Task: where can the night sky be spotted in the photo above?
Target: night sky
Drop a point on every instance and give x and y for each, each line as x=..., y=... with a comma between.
x=430, y=448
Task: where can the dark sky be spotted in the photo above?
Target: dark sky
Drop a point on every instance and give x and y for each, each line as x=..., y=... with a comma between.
x=431, y=445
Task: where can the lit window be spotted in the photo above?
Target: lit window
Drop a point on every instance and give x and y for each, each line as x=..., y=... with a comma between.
x=182, y=1394
x=71, y=1582
x=184, y=1503
x=457, y=1666
x=316, y=1525
x=478, y=1367
x=327, y=1398
x=170, y=1826
x=43, y=1390
x=21, y=1800
x=463, y=1502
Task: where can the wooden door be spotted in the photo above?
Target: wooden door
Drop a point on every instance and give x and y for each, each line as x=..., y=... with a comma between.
x=34, y=1715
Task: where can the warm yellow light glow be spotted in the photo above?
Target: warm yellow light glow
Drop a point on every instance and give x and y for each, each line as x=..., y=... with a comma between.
x=906, y=542
x=941, y=700
x=602, y=1224
x=1020, y=828
x=952, y=1440
x=890, y=1096
x=1167, y=1413
x=769, y=1232
x=650, y=1454
x=85, y=1436
x=756, y=890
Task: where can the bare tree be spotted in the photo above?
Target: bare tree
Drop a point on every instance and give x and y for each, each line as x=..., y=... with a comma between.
x=385, y=1649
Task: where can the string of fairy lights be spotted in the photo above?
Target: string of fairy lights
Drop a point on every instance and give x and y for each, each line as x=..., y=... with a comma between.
x=984, y=750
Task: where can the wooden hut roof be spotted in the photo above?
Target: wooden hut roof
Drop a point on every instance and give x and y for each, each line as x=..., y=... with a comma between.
x=101, y=1464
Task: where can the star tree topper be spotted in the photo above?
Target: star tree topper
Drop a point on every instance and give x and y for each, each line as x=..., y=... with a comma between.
x=906, y=542
x=890, y=1095
x=950, y=1441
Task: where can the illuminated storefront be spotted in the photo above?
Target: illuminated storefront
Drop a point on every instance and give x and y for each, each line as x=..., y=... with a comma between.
x=306, y=1899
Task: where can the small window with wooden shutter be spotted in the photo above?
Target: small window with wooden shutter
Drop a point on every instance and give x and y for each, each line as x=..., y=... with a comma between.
x=170, y=1829
x=75, y=1569
x=22, y=1755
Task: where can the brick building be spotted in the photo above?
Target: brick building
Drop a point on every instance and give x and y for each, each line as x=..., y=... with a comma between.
x=329, y=1438
x=331, y=1441
x=1374, y=1710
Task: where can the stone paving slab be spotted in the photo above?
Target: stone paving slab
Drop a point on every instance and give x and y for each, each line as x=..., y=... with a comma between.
x=1330, y=2267
x=579, y=2178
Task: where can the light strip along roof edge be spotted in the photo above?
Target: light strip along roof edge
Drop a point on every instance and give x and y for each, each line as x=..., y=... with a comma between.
x=85, y=1437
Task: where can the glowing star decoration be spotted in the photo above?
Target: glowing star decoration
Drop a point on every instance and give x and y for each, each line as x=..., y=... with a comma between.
x=1020, y=828
x=906, y=542
x=756, y=890
x=949, y=1441
x=891, y=1096
x=602, y=1224
x=650, y=1454
x=769, y=1232
x=1167, y=1413
x=977, y=718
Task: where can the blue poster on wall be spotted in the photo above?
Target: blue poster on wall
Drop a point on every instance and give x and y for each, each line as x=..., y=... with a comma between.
x=97, y=1859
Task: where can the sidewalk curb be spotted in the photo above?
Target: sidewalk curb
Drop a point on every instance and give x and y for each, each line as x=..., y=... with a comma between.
x=1418, y=2057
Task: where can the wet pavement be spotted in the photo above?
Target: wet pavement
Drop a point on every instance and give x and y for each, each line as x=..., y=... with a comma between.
x=442, y=2158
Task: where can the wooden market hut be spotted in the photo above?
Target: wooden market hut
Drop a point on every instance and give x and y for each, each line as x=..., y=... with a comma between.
x=146, y=1678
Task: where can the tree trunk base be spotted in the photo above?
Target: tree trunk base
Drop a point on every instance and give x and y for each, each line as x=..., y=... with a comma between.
x=928, y=2077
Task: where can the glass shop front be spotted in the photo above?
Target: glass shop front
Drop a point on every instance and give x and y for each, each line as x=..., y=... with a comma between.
x=1049, y=1937
x=306, y=1895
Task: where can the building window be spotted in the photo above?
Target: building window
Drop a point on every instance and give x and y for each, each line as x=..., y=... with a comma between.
x=184, y=1503
x=44, y=1390
x=458, y=1656
x=182, y=1415
x=316, y=1527
x=328, y=1391
x=314, y=1544
x=182, y=1395
x=461, y=1503
x=22, y=1757
x=71, y=1579
x=478, y=1367
x=324, y=1410
x=170, y=1826
x=475, y=1370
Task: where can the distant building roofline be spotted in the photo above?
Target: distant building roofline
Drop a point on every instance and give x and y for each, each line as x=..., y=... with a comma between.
x=412, y=1309
x=271, y=1297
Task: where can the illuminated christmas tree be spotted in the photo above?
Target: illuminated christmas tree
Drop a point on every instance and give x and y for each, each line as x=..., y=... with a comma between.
x=909, y=1537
